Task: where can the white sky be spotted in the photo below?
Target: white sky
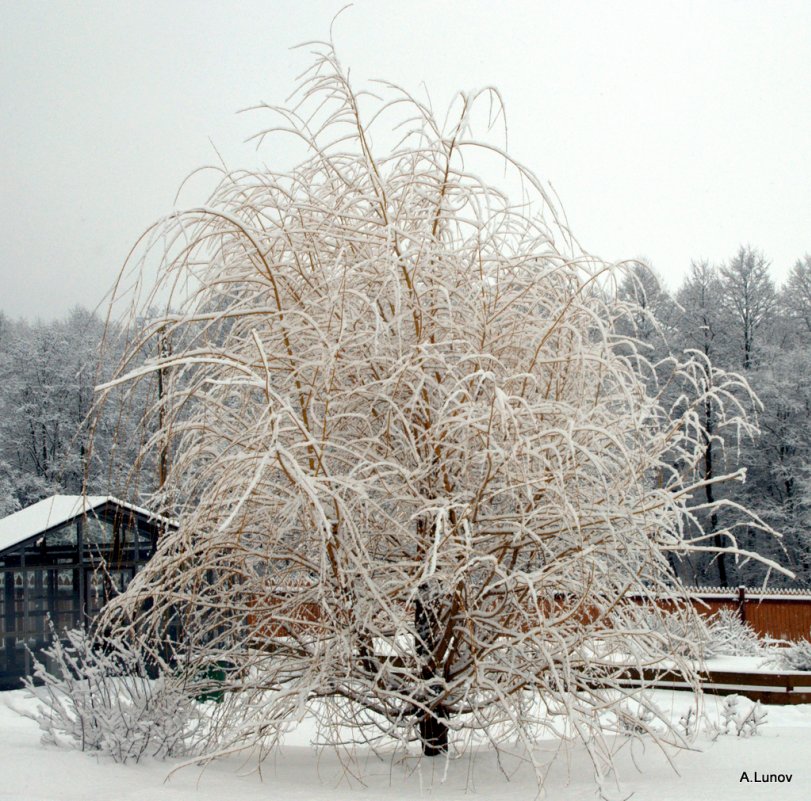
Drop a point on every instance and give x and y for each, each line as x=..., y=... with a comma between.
x=671, y=131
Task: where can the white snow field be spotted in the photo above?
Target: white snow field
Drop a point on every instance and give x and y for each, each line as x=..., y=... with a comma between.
x=35, y=772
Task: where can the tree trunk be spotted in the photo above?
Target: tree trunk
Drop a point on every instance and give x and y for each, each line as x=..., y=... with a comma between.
x=434, y=732
x=432, y=725
x=709, y=474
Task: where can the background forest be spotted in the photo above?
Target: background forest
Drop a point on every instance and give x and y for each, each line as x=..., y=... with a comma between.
x=732, y=313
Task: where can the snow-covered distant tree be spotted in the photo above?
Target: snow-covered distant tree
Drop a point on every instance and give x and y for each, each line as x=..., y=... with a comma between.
x=748, y=294
x=416, y=466
x=778, y=461
x=42, y=410
x=700, y=321
x=795, y=296
x=48, y=371
x=651, y=324
x=702, y=326
x=656, y=313
x=8, y=496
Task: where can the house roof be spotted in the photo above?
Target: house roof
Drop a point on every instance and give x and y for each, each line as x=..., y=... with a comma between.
x=54, y=511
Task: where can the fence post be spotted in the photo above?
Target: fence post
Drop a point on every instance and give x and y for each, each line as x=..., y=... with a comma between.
x=742, y=603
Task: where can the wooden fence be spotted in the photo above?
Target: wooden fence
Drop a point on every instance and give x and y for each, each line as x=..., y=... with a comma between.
x=777, y=614
x=786, y=687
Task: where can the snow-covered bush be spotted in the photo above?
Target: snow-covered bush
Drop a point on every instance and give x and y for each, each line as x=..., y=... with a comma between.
x=796, y=656
x=728, y=635
x=416, y=465
x=636, y=720
x=736, y=719
x=97, y=694
x=676, y=630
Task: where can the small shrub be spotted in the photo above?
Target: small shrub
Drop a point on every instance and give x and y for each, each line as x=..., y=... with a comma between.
x=736, y=720
x=634, y=723
x=98, y=696
x=796, y=656
x=728, y=635
x=682, y=634
x=687, y=722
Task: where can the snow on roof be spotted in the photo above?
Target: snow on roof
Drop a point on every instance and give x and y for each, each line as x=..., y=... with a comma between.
x=54, y=511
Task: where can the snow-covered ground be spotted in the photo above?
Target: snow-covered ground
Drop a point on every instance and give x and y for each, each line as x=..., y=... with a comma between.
x=33, y=772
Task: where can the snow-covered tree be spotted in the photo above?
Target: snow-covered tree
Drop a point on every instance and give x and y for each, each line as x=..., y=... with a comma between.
x=748, y=294
x=8, y=497
x=703, y=326
x=657, y=314
x=416, y=466
x=778, y=461
x=795, y=296
x=48, y=371
x=47, y=374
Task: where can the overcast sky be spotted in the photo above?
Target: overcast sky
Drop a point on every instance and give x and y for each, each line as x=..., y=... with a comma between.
x=671, y=131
